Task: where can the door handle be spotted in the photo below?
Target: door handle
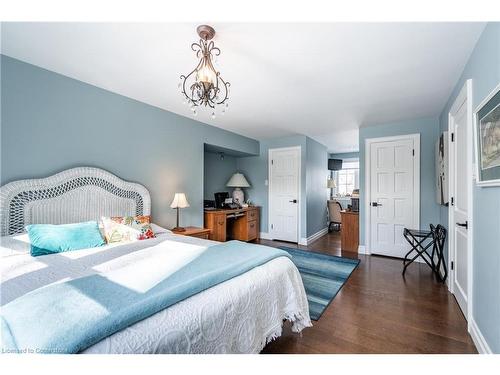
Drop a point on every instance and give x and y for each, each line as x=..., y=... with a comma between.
x=464, y=225
x=293, y=201
x=376, y=204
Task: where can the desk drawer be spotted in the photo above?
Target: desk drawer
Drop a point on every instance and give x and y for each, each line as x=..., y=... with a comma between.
x=217, y=226
x=252, y=228
x=253, y=215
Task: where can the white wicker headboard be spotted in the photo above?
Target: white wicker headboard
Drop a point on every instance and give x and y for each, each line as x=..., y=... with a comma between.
x=71, y=196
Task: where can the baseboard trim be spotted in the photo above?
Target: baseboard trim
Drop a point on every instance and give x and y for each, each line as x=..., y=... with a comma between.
x=303, y=240
x=268, y=236
x=265, y=236
x=478, y=338
x=315, y=236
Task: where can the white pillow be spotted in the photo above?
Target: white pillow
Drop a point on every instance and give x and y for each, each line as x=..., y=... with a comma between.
x=159, y=230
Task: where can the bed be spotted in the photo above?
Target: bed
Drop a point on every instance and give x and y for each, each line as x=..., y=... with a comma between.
x=239, y=315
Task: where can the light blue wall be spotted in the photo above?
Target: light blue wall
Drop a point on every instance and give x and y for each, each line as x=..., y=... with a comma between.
x=217, y=173
x=428, y=128
x=51, y=122
x=483, y=68
x=345, y=155
x=255, y=169
x=316, y=190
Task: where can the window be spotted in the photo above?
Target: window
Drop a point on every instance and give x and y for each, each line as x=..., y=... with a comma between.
x=348, y=178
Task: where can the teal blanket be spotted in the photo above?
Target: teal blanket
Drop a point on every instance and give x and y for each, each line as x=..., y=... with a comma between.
x=69, y=317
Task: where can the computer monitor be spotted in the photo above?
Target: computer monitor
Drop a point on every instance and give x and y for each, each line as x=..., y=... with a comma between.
x=355, y=204
x=220, y=198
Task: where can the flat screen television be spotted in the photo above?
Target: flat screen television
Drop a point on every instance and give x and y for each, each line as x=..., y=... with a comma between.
x=334, y=164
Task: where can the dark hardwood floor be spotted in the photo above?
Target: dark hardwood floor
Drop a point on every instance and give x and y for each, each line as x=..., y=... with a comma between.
x=377, y=311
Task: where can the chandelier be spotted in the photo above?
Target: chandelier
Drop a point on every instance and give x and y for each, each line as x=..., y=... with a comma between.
x=204, y=86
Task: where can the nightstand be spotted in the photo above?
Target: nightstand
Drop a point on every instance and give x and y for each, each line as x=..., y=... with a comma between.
x=195, y=232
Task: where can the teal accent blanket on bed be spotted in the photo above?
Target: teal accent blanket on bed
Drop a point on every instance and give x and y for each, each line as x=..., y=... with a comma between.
x=70, y=316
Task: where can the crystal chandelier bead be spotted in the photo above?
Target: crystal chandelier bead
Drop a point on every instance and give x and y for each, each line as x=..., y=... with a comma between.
x=195, y=113
x=213, y=115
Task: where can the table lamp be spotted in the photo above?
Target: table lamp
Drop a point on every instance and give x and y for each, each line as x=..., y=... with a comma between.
x=179, y=201
x=238, y=181
x=330, y=184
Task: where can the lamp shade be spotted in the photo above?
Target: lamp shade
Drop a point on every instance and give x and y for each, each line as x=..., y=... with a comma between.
x=179, y=201
x=238, y=180
x=330, y=184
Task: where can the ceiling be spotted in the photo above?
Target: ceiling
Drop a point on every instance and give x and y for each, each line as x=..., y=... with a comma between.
x=323, y=80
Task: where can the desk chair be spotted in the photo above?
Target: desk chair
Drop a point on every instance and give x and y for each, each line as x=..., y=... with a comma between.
x=334, y=209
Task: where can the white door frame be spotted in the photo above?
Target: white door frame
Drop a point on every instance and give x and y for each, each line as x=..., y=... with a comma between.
x=464, y=95
x=299, y=198
x=416, y=181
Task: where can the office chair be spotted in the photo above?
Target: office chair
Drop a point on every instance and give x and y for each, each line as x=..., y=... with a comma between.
x=334, y=209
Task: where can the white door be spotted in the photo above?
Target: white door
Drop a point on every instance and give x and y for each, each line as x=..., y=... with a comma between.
x=284, y=182
x=459, y=203
x=393, y=192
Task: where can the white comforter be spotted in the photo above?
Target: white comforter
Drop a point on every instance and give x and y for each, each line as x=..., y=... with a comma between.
x=238, y=316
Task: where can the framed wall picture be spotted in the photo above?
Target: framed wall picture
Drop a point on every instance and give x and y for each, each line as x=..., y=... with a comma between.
x=487, y=139
x=442, y=162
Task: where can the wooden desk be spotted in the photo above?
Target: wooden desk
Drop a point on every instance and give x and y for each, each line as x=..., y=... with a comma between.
x=349, y=232
x=240, y=224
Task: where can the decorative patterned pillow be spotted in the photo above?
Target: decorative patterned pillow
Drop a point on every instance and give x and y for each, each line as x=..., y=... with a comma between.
x=127, y=228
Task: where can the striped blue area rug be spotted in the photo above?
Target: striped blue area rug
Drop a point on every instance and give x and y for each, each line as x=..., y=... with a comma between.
x=323, y=276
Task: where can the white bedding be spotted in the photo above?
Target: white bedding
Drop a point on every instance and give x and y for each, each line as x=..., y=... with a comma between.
x=237, y=316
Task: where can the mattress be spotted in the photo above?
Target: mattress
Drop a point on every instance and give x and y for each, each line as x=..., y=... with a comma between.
x=238, y=316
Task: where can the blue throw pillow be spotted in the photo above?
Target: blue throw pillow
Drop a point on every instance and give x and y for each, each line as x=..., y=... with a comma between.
x=50, y=239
